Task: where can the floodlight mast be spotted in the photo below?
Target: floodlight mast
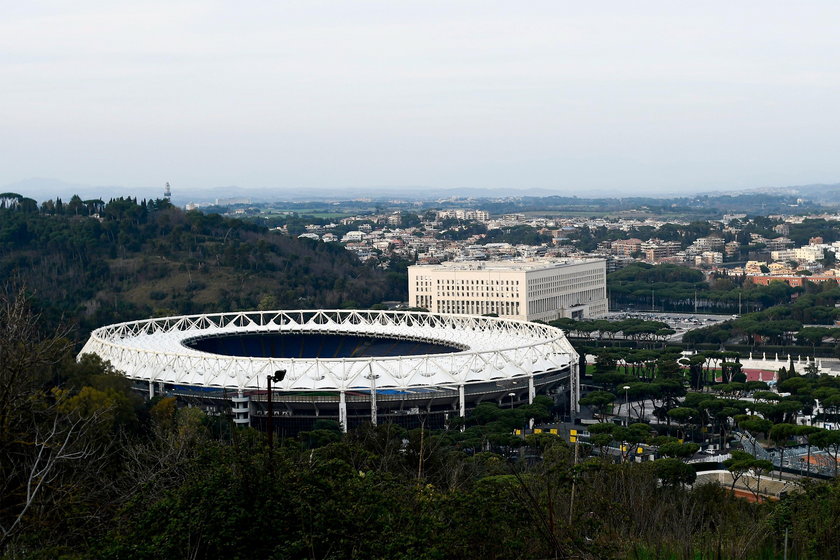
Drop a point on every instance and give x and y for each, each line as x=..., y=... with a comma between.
x=374, y=413
x=277, y=377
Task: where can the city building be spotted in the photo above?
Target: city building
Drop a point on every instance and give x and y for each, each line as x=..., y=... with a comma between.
x=529, y=290
x=708, y=258
x=730, y=217
x=809, y=253
x=778, y=244
x=732, y=248
x=478, y=215
x=708, y=244
x=627, y=247
x=791, y=279
x=656, y=250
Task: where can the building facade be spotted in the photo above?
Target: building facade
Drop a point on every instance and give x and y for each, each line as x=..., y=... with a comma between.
x=533, y=290
x=626, y=247
x=656, y=250
x=792, y=280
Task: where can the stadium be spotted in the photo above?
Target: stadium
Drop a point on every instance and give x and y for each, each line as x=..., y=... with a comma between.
x=348, y=365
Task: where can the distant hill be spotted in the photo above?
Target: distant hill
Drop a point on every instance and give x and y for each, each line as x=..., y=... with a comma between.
x=45, y=188
x=91, y=263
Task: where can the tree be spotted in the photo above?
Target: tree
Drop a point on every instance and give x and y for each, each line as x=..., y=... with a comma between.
x=26, y=359
x=631, y=435
x=598, y=400
x=780, y=434
x=51, y=441
x=742, y=462
x=76, y=206
x=813, y=336
x=682, y=414
x=791, y=371
x=695, y=369
x=759, y=468
x=807, y=432
x=605, y=360
x=673, y=471
x=268, y=303
x=828, y=441
x=678, y=450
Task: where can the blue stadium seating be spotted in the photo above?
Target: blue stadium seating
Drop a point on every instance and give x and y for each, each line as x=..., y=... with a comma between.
x=300, y=345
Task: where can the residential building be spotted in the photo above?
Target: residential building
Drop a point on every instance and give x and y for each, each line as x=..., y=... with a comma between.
x=626, y=247
x=708, y=258
x=656, y=250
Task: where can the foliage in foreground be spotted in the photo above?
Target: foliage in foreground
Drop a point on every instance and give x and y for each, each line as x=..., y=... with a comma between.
x=89, y=471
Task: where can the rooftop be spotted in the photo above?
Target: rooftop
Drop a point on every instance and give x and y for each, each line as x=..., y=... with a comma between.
x=539, y=264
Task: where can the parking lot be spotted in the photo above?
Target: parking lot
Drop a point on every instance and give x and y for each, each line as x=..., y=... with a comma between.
x=680, y=322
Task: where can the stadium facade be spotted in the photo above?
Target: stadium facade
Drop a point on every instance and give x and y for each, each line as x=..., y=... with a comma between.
x=348, y=365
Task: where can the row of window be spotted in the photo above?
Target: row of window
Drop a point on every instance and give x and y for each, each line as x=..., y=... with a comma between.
x=479, y=307
x=479, y=282
x=563, y=302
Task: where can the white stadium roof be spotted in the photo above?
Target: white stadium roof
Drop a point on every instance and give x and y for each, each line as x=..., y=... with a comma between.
x=493, y=349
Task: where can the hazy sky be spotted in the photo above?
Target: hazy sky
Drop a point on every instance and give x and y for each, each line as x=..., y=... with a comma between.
x=570, y=95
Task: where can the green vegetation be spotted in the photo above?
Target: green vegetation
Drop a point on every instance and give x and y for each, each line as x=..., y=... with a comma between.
x=782, y=324
x=779, y=322
x=670, y=287
x=636, y=330
x=92, y=472
x=89, y=470
x=454, y=229
x=516, y=235
x=98, y=263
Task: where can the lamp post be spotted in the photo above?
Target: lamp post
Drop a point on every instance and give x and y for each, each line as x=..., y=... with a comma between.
x=627, y=403
x=374, y=413
x=277, y=377
x=511, y=395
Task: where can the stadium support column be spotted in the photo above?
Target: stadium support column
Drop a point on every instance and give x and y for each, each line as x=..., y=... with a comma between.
x=462, y=402
x=241, y=409
x=532, y=392
x=342, y=410
x=151, y=389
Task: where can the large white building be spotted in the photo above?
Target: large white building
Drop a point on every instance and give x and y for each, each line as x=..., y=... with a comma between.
x=529, y=290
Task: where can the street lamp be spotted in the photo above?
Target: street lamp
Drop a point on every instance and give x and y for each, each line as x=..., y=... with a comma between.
x=374, y=413
x=627, y=403
x=511, y=395
x=277, y=378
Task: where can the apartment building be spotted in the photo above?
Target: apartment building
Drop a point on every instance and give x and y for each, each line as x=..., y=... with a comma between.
x=626, y=247
x=656, y=250
x=528, y=290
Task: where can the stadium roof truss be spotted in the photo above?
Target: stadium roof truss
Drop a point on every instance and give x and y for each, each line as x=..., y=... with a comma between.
x=490, y=349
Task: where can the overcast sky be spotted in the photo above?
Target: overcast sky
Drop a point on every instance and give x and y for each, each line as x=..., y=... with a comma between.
x=621, y=96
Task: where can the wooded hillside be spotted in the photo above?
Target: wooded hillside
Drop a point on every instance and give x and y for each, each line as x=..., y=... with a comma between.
x=93, y=263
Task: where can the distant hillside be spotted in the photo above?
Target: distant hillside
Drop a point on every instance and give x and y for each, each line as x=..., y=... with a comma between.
x=91, y=263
